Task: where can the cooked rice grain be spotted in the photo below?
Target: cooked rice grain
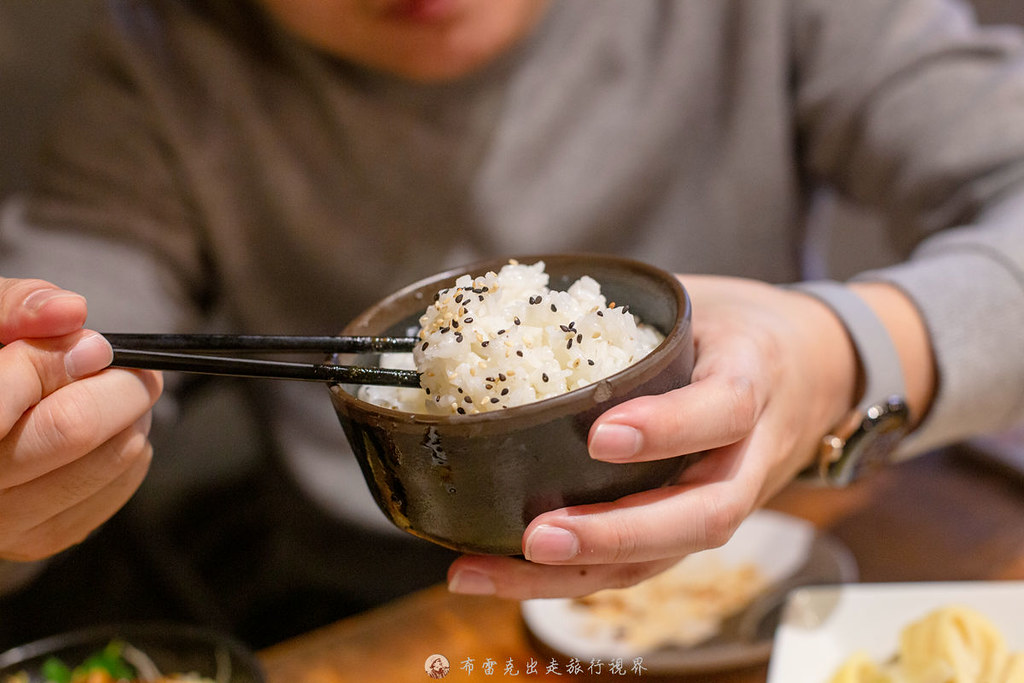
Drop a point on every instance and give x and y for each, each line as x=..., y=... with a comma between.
x=505, y=339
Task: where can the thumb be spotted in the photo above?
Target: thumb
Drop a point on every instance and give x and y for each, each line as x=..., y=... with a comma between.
x=33, y=309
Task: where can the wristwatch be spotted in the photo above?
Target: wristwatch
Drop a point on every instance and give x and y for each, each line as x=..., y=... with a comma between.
x=869, y=435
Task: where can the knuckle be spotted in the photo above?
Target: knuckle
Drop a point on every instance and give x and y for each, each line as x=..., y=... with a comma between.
x=62, y=425
x=14, y=290
x=743, y=408
x=30, y=371
x=128, y=452
x=721, y=522
x=623, y=543
x=154, y=383
x=137, y=452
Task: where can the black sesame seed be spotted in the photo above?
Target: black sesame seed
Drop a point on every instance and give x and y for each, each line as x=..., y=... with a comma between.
x=444, y=329
x=579, y=338
x=502, y=331
x=484, y=342
x=501, y=376
x=458, y=337
x=468, y=399
x=459, y=389
x=544, y=376
x=489, y=379
x=460, y=410
x=455, y=324
x=458, y=298
x=468, y=321
x=423, y=347
x=517, y=321
x=494, y=399
x=553, y=309
x=590, y=361
x=481, y=297
x=427, y=389
x=504, y=392
x=564, y=328
x=568, y=344
x=601, y=313
x=488, y=387
x=519, y=353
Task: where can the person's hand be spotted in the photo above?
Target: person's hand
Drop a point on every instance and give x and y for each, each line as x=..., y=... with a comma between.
x=774, y=372
x=73, y=436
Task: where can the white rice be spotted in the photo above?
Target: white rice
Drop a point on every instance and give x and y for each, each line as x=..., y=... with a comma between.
x=504, y=339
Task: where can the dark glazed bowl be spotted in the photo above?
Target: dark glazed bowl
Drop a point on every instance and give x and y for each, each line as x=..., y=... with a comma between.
x=473, y=482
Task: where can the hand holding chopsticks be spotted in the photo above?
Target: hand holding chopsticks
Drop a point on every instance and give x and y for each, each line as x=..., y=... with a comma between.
x=188, y=353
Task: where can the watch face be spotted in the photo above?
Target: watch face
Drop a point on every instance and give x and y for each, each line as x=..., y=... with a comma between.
x=872, y=444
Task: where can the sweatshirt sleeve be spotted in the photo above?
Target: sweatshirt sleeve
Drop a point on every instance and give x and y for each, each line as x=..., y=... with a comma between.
x=909, y=107
x=106, y=217
x=110, y=166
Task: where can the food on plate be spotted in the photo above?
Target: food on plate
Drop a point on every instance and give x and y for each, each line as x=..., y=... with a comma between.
x=505, y=339
x=117, y=662
x=683, y=606
x=952, y=644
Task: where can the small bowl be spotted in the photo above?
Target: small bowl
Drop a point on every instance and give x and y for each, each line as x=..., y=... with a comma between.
x=473, y=482
x=174, y=649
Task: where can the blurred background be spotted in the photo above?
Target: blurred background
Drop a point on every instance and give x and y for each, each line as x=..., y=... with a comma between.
x=174, y=552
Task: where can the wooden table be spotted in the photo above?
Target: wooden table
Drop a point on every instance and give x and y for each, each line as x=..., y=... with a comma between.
x=942, y=517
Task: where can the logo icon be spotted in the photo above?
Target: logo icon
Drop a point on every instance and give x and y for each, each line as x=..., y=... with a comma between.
x=437, y=666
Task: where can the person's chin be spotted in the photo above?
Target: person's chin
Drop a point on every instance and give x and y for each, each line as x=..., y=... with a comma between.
x=424, y=12
x=429, y=76
x=437, y=61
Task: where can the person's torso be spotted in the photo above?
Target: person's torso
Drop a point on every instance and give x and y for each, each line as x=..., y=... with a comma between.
x=658, y=130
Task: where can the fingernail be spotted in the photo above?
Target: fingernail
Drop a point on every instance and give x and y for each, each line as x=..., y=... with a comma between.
x=614, y=442
x=39, y=298
x=90, y=354
x=551, y=544
x=470, y=582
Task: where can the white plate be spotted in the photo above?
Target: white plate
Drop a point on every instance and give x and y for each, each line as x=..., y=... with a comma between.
x=823, y=626
x=783, y=548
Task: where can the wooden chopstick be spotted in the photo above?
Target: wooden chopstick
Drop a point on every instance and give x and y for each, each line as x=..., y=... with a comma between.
x=249, y=367
x=259, y=343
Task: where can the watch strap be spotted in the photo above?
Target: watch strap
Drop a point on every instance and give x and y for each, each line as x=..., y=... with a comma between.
x=879, y=362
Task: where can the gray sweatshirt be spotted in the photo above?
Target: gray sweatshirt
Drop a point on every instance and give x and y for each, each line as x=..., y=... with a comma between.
x=209, y=164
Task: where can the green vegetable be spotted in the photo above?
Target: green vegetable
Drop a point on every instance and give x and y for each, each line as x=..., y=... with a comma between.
x=56, y=671
x=108, y=659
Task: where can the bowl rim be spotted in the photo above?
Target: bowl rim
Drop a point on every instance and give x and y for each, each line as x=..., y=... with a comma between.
x=132, y=632
x=553, y=406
